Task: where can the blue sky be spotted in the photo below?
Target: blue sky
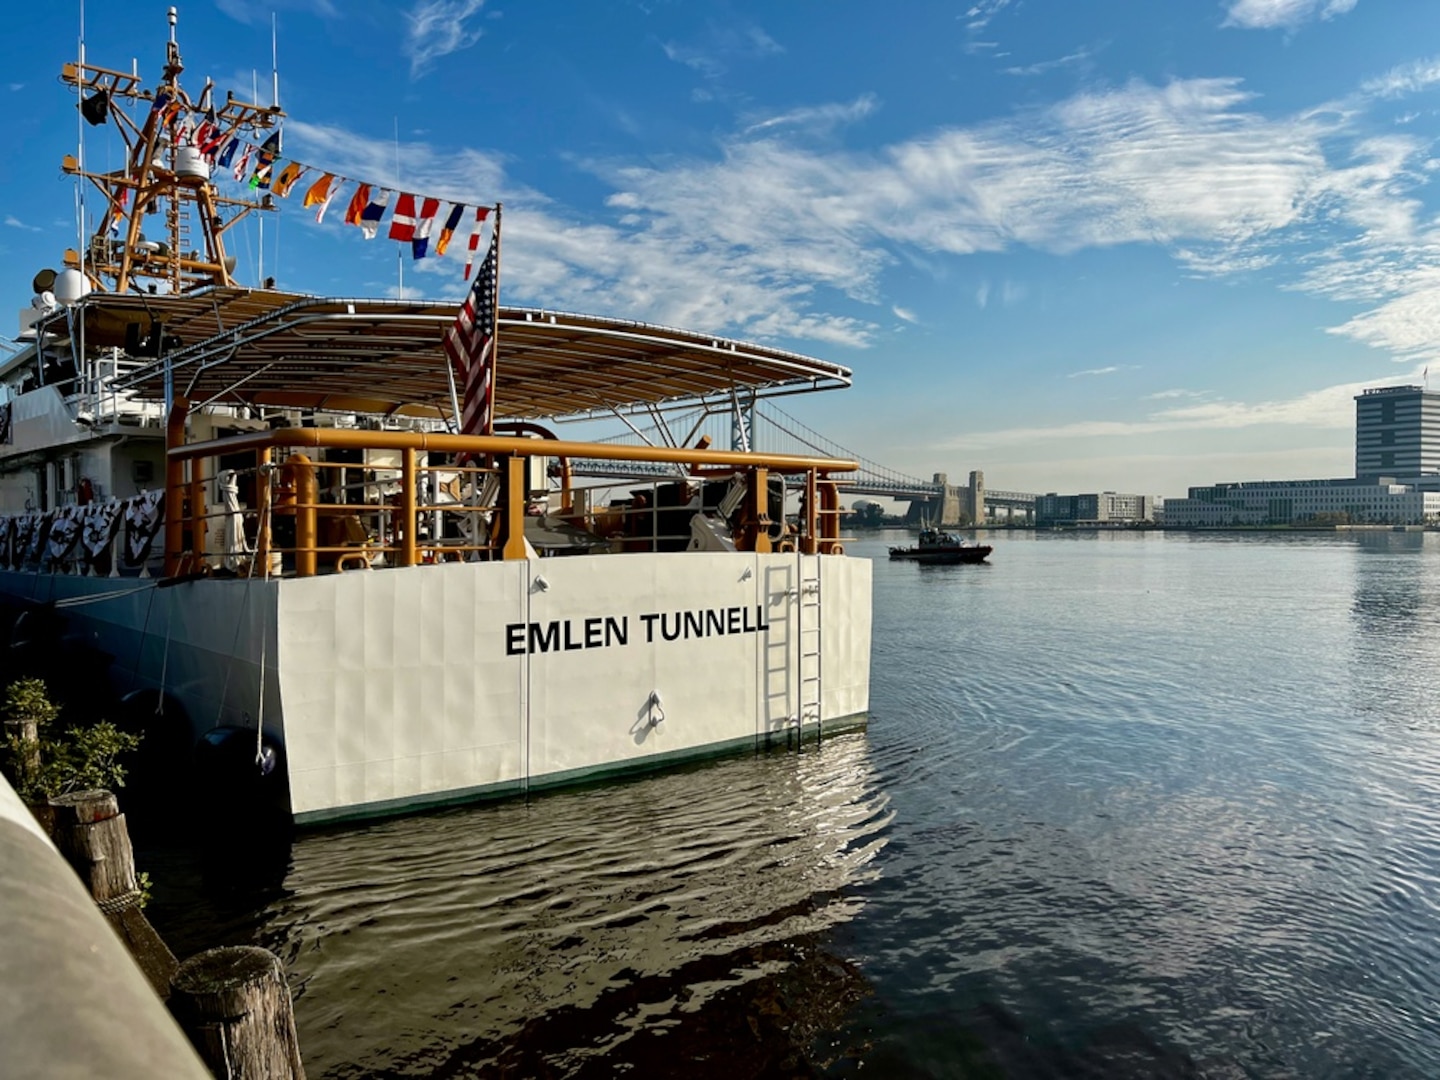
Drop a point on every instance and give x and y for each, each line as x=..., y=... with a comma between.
x=1105, y=245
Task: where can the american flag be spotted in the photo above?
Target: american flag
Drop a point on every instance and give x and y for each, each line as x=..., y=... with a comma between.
x=470, y=345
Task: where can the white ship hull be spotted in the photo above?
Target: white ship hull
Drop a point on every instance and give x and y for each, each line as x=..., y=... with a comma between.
x=379, y=574
x=399, y=688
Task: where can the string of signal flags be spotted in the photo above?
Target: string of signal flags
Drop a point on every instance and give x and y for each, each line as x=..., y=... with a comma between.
x=414, y=217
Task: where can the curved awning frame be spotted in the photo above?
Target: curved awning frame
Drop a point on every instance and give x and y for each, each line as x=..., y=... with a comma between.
x=265, y=348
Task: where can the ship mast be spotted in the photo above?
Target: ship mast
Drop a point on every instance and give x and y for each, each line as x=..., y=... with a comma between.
x=164, y=178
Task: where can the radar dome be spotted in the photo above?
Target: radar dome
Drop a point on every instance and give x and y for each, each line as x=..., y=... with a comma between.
x=70, y=286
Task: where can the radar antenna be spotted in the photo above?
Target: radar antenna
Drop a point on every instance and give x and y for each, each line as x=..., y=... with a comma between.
x=165, y=174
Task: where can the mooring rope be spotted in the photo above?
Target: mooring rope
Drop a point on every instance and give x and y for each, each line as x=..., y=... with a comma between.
x=239, y=625
x=116, y=904
x=260, y=709
x=165, y=657
x=77, y=601
x=264, y=622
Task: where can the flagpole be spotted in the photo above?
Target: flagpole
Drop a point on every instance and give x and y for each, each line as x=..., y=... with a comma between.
x=495, y=333
x=399, y=261
x=454, y=395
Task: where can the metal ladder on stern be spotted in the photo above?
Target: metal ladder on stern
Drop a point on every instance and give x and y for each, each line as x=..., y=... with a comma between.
x=808, y=641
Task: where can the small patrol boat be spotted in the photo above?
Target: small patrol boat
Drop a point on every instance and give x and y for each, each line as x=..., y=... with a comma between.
x=942, y=547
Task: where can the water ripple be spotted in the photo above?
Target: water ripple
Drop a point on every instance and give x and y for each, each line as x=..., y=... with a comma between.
x=446, y=942
x=1159, y=806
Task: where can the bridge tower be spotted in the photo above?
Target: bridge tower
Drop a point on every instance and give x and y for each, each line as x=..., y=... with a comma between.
x=977, y=497
x=945, y=511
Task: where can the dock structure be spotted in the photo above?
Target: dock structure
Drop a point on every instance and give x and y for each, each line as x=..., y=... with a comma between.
x=72, y=1001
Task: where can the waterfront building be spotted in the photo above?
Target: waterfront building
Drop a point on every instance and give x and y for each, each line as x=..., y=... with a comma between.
x=1397, y=432
x=1396, y=481
x=1096, y=508
x=1352, y=501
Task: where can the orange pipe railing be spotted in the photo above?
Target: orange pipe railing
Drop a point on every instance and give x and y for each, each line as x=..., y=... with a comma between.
x=299, y=489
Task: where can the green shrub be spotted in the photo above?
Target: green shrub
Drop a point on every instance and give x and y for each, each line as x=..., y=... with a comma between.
x=81, y=759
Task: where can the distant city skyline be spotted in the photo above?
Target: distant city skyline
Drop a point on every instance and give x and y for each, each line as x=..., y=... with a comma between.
x=1130, y=247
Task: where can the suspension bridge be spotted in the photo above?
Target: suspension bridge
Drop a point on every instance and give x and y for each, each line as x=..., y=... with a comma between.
x=766, y=428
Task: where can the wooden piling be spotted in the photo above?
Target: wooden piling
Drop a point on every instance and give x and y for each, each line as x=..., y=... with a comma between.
x=27, y=733
x=235, y=1005
x=90, y=832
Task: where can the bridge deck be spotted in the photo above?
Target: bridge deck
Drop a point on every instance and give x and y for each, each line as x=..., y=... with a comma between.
x=773, y=430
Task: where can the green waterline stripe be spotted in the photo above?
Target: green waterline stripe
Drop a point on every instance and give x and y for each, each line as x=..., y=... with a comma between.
x=549, y=782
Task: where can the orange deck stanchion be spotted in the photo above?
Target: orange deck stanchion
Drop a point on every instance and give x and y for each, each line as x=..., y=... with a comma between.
x=298, y=489
x=307, y=529
x=405, y=527
x=175, y=485
x=515, y=493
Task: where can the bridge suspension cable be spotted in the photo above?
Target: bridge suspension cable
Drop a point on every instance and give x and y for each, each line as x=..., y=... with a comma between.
x=776, y=431
x=830, y=448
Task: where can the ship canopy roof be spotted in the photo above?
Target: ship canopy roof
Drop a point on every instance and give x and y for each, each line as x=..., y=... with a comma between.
x=267, y=348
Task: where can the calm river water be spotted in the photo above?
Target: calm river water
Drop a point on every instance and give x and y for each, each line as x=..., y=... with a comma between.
x=1128, y=805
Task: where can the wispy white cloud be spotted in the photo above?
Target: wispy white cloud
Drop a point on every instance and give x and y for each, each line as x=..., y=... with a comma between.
x=804, y=226
x=976, y=20
x=904, y=314
x=464, y=175
x=1223, y=260
x=439, y=28
x=663, y=271
x=1287, y=14
x=1135, y=164
x=818, y=118
x=700, y=61
x=1407, y=323
x=1168, y=395
x=15, y=223
x=1370, y=190
x=1404, y=79
x=1041, y=67
x=255, y=12
x=559, y=261
x=1094, y=371
x=1192, y=166
x=978, y=15
x=1329, y=407
x=761, y=43
x=250, y=85
x=721, y=46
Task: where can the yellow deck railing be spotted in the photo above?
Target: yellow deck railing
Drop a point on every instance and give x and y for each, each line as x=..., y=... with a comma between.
x=308, y=512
